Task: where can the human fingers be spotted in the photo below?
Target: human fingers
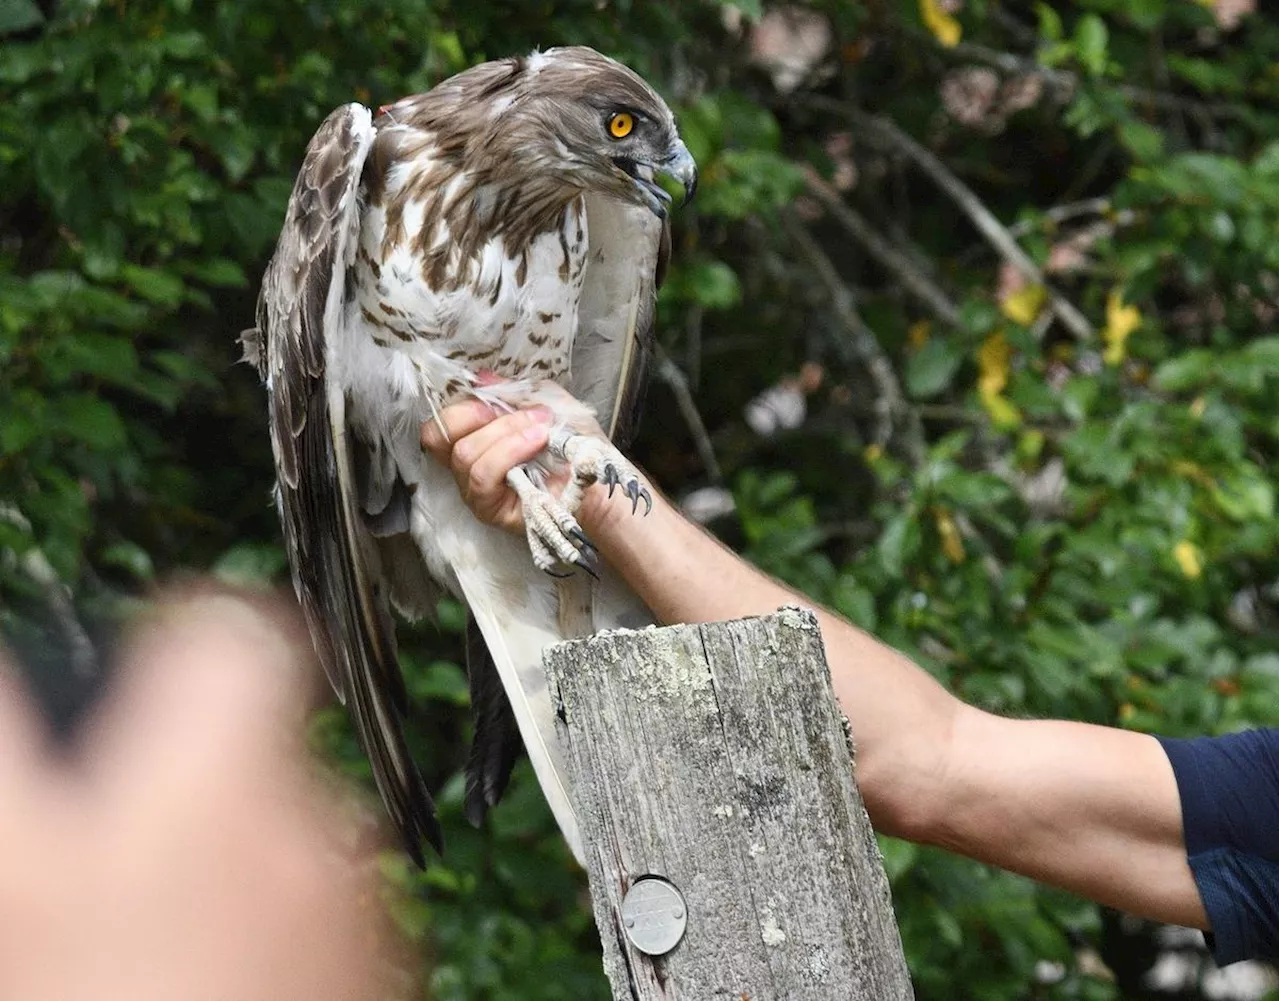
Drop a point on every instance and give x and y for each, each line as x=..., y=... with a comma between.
x=219, y=680
x=527, y=426
x=23, y=759
x=484, y=482
x=459, y=420
x=236, y=859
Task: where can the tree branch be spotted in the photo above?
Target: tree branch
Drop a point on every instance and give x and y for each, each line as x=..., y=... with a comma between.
x=669, y=372
x=862, y=346
x=1066, y=81
x=995, y=232
x=57, y=596
x=883, y=252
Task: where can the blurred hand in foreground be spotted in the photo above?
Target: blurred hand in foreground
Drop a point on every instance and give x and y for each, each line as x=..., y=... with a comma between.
x=186, y=847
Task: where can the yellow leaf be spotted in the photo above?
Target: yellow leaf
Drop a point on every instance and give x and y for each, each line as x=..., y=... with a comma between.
x=1197, y=407
x=1001, y=410
x=1189, y=470
x=918, y=334
x=872, y=452
x=945, y=28
x=993, y=364
x=1122, y=321
x=993, y=376
x=1025, y=304
x=1189, y=558
x=952, y=545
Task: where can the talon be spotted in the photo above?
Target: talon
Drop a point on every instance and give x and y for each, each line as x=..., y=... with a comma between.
x=588, y=562
x=648, y=501
x=555, y=573
x=578, y=536
x=633, y=491
x=611, y=478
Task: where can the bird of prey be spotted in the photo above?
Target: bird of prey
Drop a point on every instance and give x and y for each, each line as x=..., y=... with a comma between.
x=500, y=233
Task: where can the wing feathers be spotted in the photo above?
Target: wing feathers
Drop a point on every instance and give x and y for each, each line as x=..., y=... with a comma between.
x=495, y=745
x=629, y=249
x=336, y=570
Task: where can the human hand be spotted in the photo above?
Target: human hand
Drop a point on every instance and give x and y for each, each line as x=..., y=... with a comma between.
x=184, y=848
x=483, y=446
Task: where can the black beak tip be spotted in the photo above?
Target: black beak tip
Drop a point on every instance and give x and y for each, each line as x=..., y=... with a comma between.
x=690, y=189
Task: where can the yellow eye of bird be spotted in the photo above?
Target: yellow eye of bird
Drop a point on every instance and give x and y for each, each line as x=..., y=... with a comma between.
x=620, y=125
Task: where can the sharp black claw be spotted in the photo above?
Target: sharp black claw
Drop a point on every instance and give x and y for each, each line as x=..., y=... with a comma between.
x=633, y=491
x=583, y=542
x=553, y=573
x=648, y=500
x=587, y=560
x=611, y=478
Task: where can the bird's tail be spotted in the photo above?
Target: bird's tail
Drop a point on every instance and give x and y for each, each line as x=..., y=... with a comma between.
x=516, y=633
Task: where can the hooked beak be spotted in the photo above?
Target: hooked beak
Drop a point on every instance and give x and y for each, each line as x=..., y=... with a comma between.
x=678, y=165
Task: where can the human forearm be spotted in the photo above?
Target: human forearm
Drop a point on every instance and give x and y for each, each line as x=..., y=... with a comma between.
x=1092, y=809
x=901, y=718
x=1087, y=808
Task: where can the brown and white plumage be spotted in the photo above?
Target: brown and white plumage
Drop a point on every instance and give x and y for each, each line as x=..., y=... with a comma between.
x=497, y=224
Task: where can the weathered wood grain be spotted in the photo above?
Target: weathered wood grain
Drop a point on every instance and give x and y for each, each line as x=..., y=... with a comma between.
x=715, y=756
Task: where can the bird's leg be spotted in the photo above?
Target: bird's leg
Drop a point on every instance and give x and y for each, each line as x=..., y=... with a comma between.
x=594, y=460
x=555, y=537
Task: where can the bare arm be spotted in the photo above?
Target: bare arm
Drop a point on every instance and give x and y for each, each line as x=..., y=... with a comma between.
x=1087, y=808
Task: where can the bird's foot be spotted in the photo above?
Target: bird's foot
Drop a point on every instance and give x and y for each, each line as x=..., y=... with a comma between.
x=596, y=461
x=556, y=540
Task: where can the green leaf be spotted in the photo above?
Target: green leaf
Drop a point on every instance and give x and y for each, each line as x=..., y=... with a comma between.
x=1090, y=41
x=88, y=419
x=156, y=286
x=899, y=542
x=250, y=563
x=711, y=284
x=1142, y=140
x=898, y=856
x=18, y=15
x=1194, y=368
x=752, y=10
x=1050, y=22
x=930, y=370
x=441, y=681
x=131, y=557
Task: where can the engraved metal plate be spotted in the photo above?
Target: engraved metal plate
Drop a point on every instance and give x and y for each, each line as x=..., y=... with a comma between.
x=654, y=915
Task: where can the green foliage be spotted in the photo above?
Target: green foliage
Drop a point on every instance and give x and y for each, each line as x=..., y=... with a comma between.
x=1054, y=525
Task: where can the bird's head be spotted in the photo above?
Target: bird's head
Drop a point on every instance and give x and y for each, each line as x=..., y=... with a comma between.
x=597, y=125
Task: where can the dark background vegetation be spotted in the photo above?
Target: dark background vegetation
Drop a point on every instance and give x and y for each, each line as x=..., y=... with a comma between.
x=1051, y=480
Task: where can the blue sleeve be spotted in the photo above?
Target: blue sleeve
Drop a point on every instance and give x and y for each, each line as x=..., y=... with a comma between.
x=1227, y=786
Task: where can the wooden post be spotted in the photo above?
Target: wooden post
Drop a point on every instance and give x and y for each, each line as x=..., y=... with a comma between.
x=715, y=757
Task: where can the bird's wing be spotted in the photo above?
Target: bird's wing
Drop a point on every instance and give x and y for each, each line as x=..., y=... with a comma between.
x=332, y=550
x=629, y=249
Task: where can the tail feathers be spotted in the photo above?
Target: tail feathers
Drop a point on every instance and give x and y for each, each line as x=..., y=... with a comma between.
x=515, y=636
x=495, y=745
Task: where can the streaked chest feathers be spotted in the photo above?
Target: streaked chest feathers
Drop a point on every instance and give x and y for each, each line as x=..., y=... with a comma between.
x=438, y=294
